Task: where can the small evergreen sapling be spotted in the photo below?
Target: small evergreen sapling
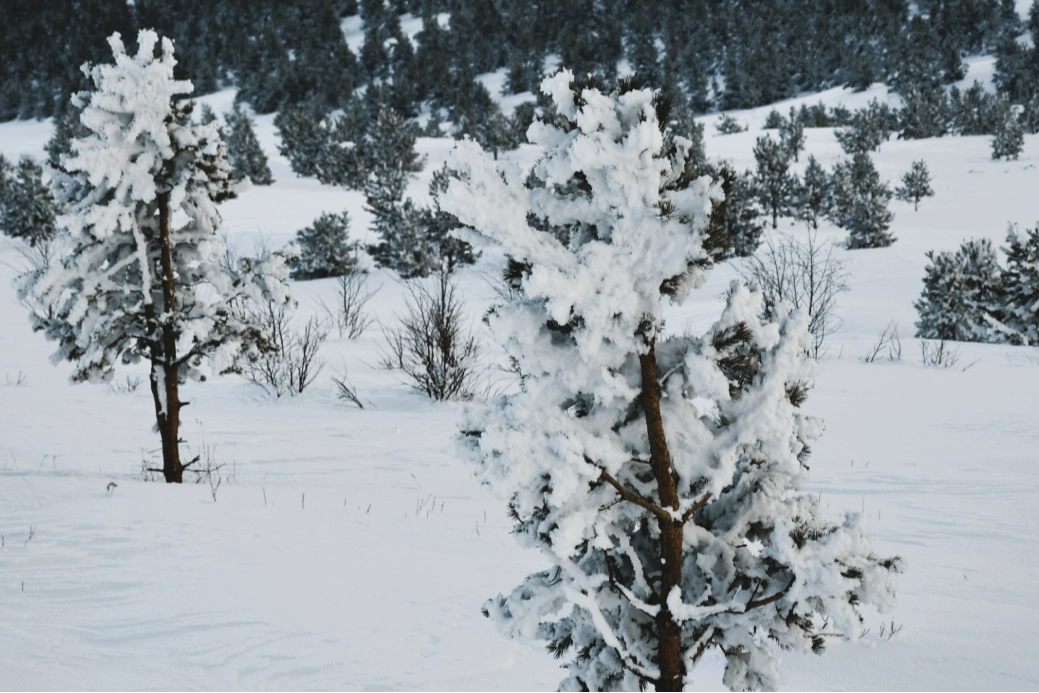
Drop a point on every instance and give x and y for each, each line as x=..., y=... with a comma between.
x=1009, y=137
x=774, y=182
x=389, y=150
x=302, y=138
x=27, y=205
x=736, y=212
x=439, y=225
x=962, y=290
x=774, y=120
x=325, y=249
x=916, y=185
x=926, y=114
x=812, y=193
x=134, y=286
x=860, y=203
x=1020, y=286
x=792, y=135
x=243, y=149
x=727, y=125
x=661, y=475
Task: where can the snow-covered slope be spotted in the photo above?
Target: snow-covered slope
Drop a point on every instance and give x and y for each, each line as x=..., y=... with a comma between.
x=349, y=549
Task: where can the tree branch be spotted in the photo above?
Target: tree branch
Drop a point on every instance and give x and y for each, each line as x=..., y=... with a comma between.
x=768, y=600
x=627, y=494
x=696, y=506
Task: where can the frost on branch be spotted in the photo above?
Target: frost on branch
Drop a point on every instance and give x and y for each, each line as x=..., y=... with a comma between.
x=661, y=475
x=143, y=278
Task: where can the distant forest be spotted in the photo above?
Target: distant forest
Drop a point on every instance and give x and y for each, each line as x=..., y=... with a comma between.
x=708, y=54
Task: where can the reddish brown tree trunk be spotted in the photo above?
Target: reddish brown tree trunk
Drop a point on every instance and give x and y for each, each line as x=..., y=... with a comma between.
x=669, y=631
x=167, y=393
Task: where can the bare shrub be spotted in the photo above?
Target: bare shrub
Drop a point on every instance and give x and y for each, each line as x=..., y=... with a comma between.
x=345, y=389
x=430, y=344
x=289, y=361
x=938, y=354
x=888, y=339
x=348, y=313
x=131, y=385
x=805, y=274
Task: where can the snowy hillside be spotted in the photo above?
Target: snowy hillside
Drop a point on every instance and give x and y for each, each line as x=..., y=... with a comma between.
x=350, y=549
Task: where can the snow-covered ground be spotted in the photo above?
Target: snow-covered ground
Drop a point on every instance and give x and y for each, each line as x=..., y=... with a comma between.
x=349, y=549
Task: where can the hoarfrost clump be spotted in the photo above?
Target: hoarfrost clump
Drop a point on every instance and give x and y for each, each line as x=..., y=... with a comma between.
x=135, y=286
x=661, y=475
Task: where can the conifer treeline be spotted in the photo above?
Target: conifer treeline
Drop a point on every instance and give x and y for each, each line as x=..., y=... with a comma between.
x=714, y=53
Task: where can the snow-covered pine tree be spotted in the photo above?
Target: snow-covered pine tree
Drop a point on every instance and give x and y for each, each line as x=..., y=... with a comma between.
x=1009, y=138
x=735, y=212
x=774, y=120
x=774, y=183
x=868, y=128
x=661, y=475
x=916, y=185
x=302, y=138
x=961, y=291
x=133, y=285
x=792, y=135
x=860, y=203
x=812, y=196
x=1020, y=286
x=972, y=110
x=67, y=127
x=325, y=249
x=207, y=115
x=439, y=225
x=243, y=149
x=389, y=150
x=27, y=206
x=1030, y=113
x=926, y=113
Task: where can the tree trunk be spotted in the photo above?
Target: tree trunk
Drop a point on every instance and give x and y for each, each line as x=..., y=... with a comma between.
x=669, y=631
x=167, y=400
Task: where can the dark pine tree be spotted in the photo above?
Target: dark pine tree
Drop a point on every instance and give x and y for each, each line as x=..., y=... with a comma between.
x=916, y=185
x=325, y=248
x=243, y=149
x=961, y=290
x=773, y=180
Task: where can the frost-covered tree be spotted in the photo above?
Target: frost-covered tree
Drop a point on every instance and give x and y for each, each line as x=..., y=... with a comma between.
x=916, y=185
x=243, y=149
x=774, y=183
x=325, y=249
x=812, y=193
x=961, y=291
x=860, y=203
x=1009, y=138
x=662, y=475
x=27, y=205
x=136, y=285
x=1020, y=286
